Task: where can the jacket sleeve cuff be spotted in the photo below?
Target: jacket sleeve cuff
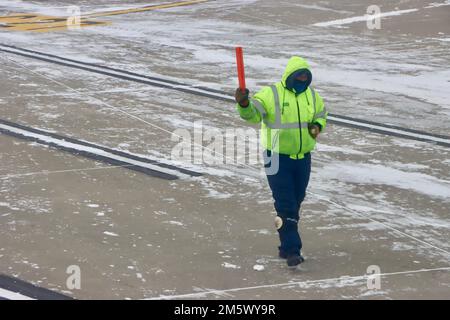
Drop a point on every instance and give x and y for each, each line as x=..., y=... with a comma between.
x=246, y=112
x=319, y=125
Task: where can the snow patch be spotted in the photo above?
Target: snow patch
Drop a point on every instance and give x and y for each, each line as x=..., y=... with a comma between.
x=437, y=4
x=112, y=234
x=326, y=148
x=365, y=17
x=177, y=223
x=230, y=266
x=378, y=174
x=258, y=267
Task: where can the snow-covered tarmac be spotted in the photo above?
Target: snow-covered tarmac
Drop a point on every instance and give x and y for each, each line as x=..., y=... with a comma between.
x=374, y=199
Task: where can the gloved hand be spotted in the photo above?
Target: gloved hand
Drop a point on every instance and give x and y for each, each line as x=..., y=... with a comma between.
x=314, y=130
x=241, y=97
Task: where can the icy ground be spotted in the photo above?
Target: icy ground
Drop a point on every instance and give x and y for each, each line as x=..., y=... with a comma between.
x=374, y=199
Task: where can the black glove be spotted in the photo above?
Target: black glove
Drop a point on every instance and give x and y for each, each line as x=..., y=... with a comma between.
x=314, y=129
x=241, y=97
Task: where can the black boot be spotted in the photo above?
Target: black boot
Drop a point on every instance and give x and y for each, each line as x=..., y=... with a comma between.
x=294, y=260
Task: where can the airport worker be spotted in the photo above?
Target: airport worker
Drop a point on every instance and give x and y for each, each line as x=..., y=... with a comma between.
x=292, y=114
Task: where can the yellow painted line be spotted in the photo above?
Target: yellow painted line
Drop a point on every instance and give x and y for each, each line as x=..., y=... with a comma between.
x=43, y=23
x=143, y=9
x=37, y=23
x=16, y=18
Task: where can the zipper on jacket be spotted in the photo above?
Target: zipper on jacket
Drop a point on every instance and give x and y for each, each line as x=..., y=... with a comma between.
x=299, y=125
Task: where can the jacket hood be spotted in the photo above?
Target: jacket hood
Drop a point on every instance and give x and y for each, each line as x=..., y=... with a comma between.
x=294, y=64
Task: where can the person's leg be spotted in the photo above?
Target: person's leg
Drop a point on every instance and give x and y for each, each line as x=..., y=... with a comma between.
x=282, y=185
x=302, y=174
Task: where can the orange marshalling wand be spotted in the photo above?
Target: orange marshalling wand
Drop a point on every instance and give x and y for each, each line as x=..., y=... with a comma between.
x=240, y=68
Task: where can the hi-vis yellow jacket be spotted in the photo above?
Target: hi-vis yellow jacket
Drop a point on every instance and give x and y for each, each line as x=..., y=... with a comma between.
x=284, y=116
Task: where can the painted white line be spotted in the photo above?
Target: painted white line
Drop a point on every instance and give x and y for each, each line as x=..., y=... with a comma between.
x=305, y=284
x=392, y=130
x=10, y=295
x=91, y=150
x=365, y=17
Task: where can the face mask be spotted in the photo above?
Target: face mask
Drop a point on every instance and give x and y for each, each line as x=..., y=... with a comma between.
x=300, y=86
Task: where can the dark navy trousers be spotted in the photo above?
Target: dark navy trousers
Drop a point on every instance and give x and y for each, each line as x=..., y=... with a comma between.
x=288, y=186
